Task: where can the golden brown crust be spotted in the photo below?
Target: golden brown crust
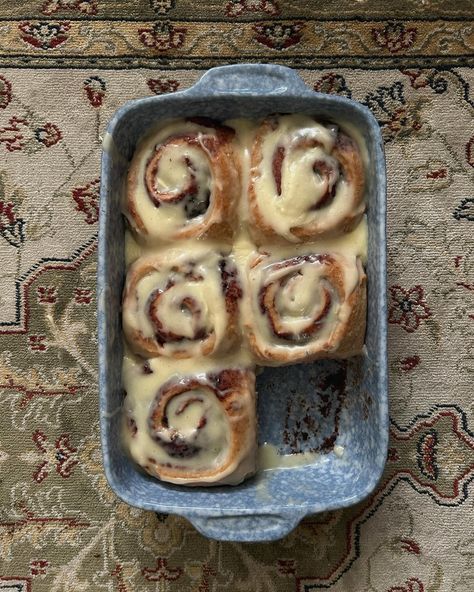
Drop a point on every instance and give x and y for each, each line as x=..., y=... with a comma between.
x=234, y=390
x=218, y=221
x=353, y=337
x=271, y=347
x=346, y=153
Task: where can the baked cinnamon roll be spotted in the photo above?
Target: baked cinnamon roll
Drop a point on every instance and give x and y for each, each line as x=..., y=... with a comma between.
x=306, y=307
x=197, y=430
x=181, y=305
x=306, y=180
x=184, y=182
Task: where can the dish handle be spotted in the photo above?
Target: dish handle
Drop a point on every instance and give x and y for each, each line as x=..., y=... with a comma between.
x=252, y=79
x=245, y=527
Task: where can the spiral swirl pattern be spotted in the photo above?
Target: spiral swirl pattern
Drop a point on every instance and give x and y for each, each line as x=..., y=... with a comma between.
x=307, y=180
x=199, y=429
x=184, y=182
x=306, y=307
x=182, y=305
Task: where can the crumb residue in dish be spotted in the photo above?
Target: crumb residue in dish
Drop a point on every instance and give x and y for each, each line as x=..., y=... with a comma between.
x=269, y=458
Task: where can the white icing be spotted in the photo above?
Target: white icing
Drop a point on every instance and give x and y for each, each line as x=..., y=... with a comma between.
x=299, y=296
x=204, y=289
x=269, y=458
x=301, y=186
x=245, y=134
x=301, y=299
x=213, y=439
x=133, y=250
x=163, y=222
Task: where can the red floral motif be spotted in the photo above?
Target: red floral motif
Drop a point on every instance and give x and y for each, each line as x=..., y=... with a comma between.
x=237, y=7
x=394, y=36
x=411, y=585
x=410, y=546
x=87, y=200
x=161, y=86
x=418, y=79
x=14, y=135
x=409, y=363
x=44, y=35
x=47, y=294
x=162, y=36
x=5, y=92
x=82, y=296
x=49, y=134
x=427, y=452
x=392, y=455
x=11, y=225
x=470, y=152
x=61, y=456
x=84, y=6
x=286, y=567
x=117, y=572
x=161, y=571
x=38, y=567
x=333, y=84
x=95, y=89
x=20, y=133
x=7, y=215
x=437, y=174
x=466, y=286
x=37, y=343
x=407, y=307
x=432, y=175
x=422, y=78
x=278, y=35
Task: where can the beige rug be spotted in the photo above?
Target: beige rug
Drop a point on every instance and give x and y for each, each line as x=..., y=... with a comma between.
x=65, y=66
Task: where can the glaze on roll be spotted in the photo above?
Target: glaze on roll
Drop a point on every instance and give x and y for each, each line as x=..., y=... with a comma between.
x=198, y=430
x=306, y=180
x=184, y=182
x=305, y=307
x=181, y=304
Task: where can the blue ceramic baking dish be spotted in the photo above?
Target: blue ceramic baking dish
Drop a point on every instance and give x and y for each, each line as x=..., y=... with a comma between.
x=338, y=408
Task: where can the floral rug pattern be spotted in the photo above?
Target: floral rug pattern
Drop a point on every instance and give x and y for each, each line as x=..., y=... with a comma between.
x=65, y=66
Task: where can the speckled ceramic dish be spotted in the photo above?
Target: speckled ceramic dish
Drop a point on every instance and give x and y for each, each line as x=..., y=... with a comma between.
x=338, y=408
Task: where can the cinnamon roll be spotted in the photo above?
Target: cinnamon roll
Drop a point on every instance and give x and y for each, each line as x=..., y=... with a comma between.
x=181, y=305
x=306, y=180
x=306, y=307
x=184, y=182
x=197, y=430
